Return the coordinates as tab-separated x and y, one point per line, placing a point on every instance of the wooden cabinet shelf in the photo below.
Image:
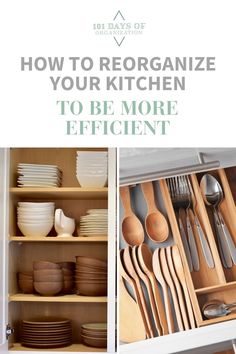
59	193
64	298
72	348
82	239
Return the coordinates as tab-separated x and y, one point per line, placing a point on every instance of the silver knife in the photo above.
228	238
192	245
205	247
223	246
185	243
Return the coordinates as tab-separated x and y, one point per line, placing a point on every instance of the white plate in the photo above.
32	165
36	204
93	228
93	222
37	180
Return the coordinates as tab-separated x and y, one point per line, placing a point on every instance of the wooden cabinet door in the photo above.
3	249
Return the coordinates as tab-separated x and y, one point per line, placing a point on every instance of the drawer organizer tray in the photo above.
207	283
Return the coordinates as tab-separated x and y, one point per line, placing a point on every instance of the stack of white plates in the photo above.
91	168
35	219
34	175
94	223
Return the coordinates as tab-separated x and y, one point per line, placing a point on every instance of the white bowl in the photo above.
34	221
40	229
91	164
88	171
36	212
92	153
92	181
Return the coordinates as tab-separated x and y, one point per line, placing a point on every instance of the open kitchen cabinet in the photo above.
20	251
206	284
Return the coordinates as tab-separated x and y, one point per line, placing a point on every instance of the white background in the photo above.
29	116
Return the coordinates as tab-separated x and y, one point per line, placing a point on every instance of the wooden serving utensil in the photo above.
157	269
144	255
178	265
147	283
155	223
131	282
132	328
167	276
139	291
178	288
132	229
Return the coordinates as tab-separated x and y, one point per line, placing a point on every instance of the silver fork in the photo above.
172	187
204	244
182	200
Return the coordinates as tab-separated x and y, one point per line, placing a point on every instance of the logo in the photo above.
119	28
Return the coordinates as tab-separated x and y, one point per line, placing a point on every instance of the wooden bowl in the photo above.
45	265
83	281
91	280
94	342
87	261
95	326
48	277
68	287
90	270
26	286
93	334
43	272
48	288
67	265
84	275
67	271
27	274
91	289
22	276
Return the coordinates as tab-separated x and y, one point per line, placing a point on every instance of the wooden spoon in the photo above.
131	282
147	283
180	274
167	276
132	228
178	288
145	261
160	278
155	223
131	327
139	291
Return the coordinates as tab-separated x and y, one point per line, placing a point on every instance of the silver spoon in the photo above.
217	310
213	196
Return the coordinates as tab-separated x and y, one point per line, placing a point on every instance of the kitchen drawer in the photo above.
207	283
146	164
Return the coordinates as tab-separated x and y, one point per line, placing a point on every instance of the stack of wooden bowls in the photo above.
26	282
94	334
46	333
68	271
90	276
48	278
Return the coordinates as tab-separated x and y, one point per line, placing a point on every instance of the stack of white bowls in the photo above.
91	168
35	219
